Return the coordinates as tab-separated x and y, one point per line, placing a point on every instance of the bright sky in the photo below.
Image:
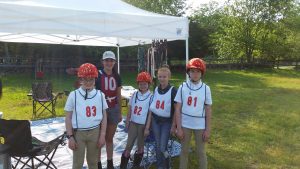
194	4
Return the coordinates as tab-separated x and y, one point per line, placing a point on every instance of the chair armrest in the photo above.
56	95
29	95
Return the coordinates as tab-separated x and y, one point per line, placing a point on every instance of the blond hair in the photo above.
164	68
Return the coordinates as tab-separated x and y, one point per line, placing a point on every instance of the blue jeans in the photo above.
161	131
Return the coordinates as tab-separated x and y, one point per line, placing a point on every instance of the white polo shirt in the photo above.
140	106
193	98
86	113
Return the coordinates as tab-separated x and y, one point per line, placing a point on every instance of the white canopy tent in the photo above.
86	22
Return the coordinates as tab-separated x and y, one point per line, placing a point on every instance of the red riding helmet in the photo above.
87	70
144	77
196	63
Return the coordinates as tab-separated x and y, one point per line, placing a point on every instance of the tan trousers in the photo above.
200	148
86	140
135	131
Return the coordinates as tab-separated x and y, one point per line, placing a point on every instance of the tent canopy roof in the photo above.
86	22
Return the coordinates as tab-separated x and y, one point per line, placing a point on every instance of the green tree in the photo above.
274	37
239	30
170	7
205	21
257	29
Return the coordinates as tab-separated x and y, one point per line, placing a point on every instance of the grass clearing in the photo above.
255	123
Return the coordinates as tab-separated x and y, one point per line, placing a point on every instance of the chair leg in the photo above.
44	106
53	108
50	163
19	161
32	163
34	109
43	160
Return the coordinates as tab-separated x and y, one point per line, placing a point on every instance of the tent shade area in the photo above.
111	23
89	22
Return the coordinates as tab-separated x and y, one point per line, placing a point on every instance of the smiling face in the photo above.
143	86
163	77
108	64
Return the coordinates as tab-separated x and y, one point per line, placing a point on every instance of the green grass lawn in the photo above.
256	115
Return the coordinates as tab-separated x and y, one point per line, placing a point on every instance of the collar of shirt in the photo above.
104	73
165	90
142	96
193	85
90	93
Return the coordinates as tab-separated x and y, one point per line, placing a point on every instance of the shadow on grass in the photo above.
254	125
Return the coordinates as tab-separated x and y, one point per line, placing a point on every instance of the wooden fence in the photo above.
58	65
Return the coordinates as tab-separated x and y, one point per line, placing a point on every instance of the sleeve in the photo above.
208	99
178	95
173	94
98	82
131	98
119	81
105	106
70	104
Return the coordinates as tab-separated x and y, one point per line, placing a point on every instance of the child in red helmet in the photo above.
137	121
193	113
86	119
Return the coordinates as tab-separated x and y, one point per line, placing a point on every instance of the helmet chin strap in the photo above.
86	94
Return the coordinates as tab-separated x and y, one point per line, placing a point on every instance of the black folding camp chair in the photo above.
43	99
27	151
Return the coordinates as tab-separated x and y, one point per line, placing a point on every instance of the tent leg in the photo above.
118	60
187	54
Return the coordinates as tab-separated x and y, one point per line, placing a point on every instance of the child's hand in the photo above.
180	133
146	132
120	118
173	130
72	143
205	135
101	142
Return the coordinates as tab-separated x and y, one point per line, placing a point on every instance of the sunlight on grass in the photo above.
274	152
255	122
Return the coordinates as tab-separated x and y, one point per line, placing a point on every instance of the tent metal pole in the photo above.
186	54
118	59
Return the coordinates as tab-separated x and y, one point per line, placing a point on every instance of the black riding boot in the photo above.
137	159
124	162
110	164
99	165
168	166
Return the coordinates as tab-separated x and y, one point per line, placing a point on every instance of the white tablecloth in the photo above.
127	91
